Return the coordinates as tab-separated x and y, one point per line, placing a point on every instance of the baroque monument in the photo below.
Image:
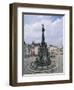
42	61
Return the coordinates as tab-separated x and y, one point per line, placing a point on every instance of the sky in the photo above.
53	25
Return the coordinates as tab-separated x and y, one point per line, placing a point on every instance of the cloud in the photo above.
53	30
40	16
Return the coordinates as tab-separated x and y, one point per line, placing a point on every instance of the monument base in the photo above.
45	69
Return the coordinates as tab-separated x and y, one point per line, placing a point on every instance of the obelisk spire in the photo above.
43	37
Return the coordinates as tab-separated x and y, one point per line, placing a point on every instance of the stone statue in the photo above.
43	58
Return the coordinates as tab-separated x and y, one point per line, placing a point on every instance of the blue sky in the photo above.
53	25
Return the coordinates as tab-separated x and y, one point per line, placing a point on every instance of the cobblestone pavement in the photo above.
58	60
